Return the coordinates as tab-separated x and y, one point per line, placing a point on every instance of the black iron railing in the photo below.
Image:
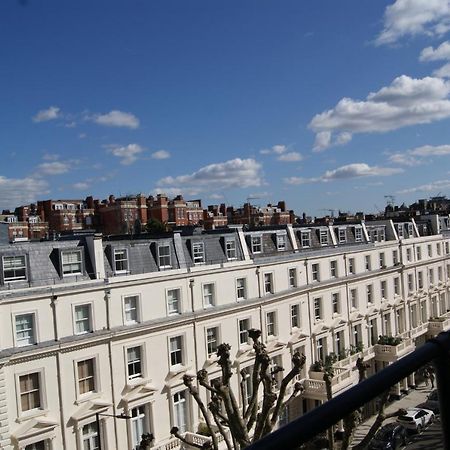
318	420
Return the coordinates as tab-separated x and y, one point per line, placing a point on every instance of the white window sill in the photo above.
83	398
175	370
31	414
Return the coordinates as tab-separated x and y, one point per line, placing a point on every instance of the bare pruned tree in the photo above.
240	425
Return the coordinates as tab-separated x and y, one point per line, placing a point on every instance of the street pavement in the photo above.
430	438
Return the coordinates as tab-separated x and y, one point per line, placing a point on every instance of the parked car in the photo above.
432	402
390	436
416	419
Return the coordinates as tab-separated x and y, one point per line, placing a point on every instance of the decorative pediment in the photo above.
355	316
338	322
89	408
297	337
34	429
372	311
320	328
139	390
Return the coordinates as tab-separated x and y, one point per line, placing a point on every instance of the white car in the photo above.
416	419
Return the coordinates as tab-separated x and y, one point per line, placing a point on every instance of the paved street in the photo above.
430	437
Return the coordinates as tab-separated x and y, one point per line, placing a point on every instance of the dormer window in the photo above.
230	247
305	237
164	256
323	237
14	268
400	230
71	262
198	252
281	242
120	260
256	244
358	234
342	235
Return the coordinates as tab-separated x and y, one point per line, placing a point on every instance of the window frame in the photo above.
229	250
217	340
137	309
181	350
304	239
271	325
65	251
333	268
323	237
292	277
268	282
336	302
95	377
281	242
241	332
351	266
142	360
198	252
24	267
317	309
41	390
295	316
342	235
358	234
211	295
34	328
243	288
90	318
171	312
255	245
315	274
161	257
115	251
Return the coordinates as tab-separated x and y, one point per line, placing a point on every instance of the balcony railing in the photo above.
315	386
391	353
438	325
306	427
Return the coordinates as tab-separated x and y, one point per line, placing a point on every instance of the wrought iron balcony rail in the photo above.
306	427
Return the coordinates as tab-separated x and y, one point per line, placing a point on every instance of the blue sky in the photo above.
322	103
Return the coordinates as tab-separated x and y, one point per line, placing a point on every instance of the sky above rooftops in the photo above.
325	104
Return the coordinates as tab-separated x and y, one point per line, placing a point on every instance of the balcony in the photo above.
315	386
350	361
438	324
390	352
419	330
171	444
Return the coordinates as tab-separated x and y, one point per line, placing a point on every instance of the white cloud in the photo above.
290	157
81	185
406	101
297	180
419	155
50	156
434	186
161	154
357	170
21	191
404	159
128	154
441	53
53	168
116	118
235	173
430	150
276	149
45	115
282	153
354	170
414	17
443	72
